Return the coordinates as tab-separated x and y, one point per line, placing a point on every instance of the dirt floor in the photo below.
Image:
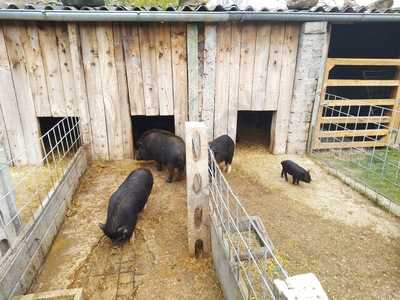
324	227
156	266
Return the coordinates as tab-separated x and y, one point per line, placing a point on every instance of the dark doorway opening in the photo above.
141	124
254	127
59	132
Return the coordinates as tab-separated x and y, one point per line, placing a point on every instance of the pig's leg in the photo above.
159	166
282	173
285	173
171	171
294	179
179	174
227	167
132	239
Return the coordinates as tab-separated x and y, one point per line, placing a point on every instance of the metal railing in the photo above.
25	190
361	141
249	250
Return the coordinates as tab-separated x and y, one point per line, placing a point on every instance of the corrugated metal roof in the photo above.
199	8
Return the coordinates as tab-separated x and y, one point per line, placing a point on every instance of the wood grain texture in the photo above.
193	71
125	117
263	41
247	56
149	68
210	54
224	37
179	77
92	67
130	38
35	67
48	45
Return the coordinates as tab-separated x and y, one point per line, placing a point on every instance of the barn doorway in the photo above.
254	128
140	124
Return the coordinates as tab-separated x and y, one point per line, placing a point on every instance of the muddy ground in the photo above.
324	227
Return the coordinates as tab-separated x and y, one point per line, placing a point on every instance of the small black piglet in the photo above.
223	149
298	173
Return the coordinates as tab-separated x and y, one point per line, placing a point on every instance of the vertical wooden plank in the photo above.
64	55
280	122
234	69
130	37
125	117
149	68
80	85
193	71
179	77
197	188
200	59
247	55
210	54
222	79
258	98
4	142
48	45
27	114
9	108
164	68
109	84
37	77
274	66
90	58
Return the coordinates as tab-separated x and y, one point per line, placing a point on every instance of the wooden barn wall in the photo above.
248	67
105	73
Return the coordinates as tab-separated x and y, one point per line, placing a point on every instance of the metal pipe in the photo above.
185	16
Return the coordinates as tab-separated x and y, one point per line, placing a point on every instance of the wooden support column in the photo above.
193	71
197	188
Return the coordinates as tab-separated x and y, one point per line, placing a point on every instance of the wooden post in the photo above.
193	71
197	188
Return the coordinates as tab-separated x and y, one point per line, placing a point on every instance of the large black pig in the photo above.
223	148
125	205
298	173
165	148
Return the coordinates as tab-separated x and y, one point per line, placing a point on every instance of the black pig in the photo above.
297	172
125	205
165	148
223	148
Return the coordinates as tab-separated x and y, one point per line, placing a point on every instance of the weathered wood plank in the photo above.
224	37
258	98
210	54
112	107
48	45
359	120
27	114
234	70
35	67
338	145
282	116
92	67
342	133
130	37
359	102
149	68
80	85
193	71
64	55
247	54
9	108
363	62
361	82
274	66
164	68
179	77
197	189
125	118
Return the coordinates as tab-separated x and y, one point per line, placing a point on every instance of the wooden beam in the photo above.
361	82
363	62
342	133
197	188
359	102
193	71
360	144
354	119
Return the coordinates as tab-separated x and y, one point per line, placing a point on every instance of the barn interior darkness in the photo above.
140	124
54	138
254	127
371	40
